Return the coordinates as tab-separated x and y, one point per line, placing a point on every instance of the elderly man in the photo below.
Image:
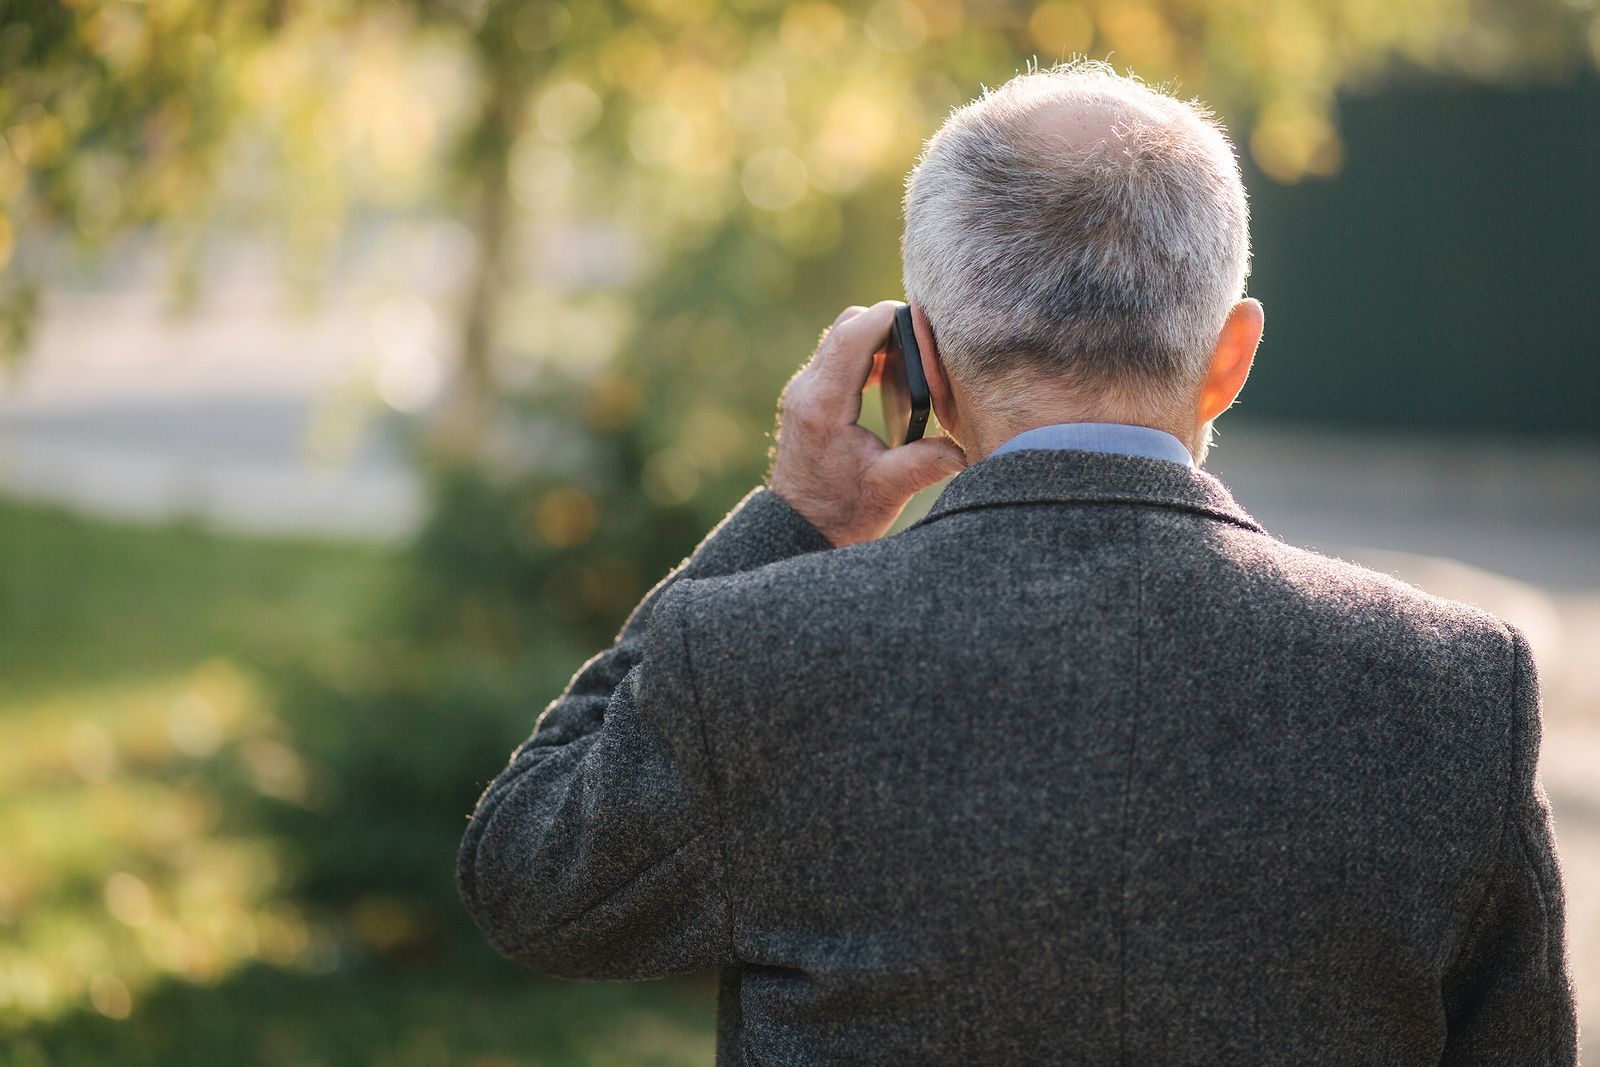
1084	767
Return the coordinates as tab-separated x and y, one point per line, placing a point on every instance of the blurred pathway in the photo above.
242	416
1530	511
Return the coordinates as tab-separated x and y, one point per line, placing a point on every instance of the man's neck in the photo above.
1028	404
988	436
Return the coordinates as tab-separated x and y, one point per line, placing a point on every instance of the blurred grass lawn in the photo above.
147	916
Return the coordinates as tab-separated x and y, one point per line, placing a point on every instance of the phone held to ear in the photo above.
904	388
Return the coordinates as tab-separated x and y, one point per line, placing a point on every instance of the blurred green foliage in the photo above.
402	1018
208	858
139	748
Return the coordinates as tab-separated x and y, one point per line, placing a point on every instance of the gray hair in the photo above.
1109	266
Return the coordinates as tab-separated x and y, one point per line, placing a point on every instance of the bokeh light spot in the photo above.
539	26
276	770
612	402
631	58
91	752
409	378
671	477
1139	35
110	996
566	517
567	110
194	725
1291	141
659	134
812	27
129	899
896	26
1061	28
774	178
754	96
541	173
408	375
385	923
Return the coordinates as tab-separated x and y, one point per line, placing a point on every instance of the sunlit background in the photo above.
366	360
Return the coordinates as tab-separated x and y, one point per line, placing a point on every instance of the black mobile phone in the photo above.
904	387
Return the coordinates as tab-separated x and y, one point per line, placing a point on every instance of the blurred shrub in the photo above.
523	571
140	745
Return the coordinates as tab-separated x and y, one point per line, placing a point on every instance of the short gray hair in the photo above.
1110	265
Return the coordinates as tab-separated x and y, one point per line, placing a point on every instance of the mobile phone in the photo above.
904	388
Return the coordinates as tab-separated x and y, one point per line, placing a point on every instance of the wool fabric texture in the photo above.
1083	767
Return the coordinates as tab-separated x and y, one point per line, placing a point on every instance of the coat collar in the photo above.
1067	476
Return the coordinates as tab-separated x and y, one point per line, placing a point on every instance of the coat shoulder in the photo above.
1332	588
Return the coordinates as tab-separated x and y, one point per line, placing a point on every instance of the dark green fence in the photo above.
1449	278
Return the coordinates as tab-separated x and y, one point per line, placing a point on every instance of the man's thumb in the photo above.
921	463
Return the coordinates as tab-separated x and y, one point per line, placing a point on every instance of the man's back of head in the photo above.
1077	238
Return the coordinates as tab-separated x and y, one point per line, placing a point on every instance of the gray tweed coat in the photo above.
1081	768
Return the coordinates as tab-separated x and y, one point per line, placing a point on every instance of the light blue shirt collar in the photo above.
1103	437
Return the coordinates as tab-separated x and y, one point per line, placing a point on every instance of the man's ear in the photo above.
939	391
1230	362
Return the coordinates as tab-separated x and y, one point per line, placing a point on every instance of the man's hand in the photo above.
839	476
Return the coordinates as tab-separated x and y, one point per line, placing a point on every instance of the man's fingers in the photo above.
844	358
910	468
827	332
843	363
827	390
849	313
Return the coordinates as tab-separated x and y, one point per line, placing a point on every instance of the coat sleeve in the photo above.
1508	996
597	851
